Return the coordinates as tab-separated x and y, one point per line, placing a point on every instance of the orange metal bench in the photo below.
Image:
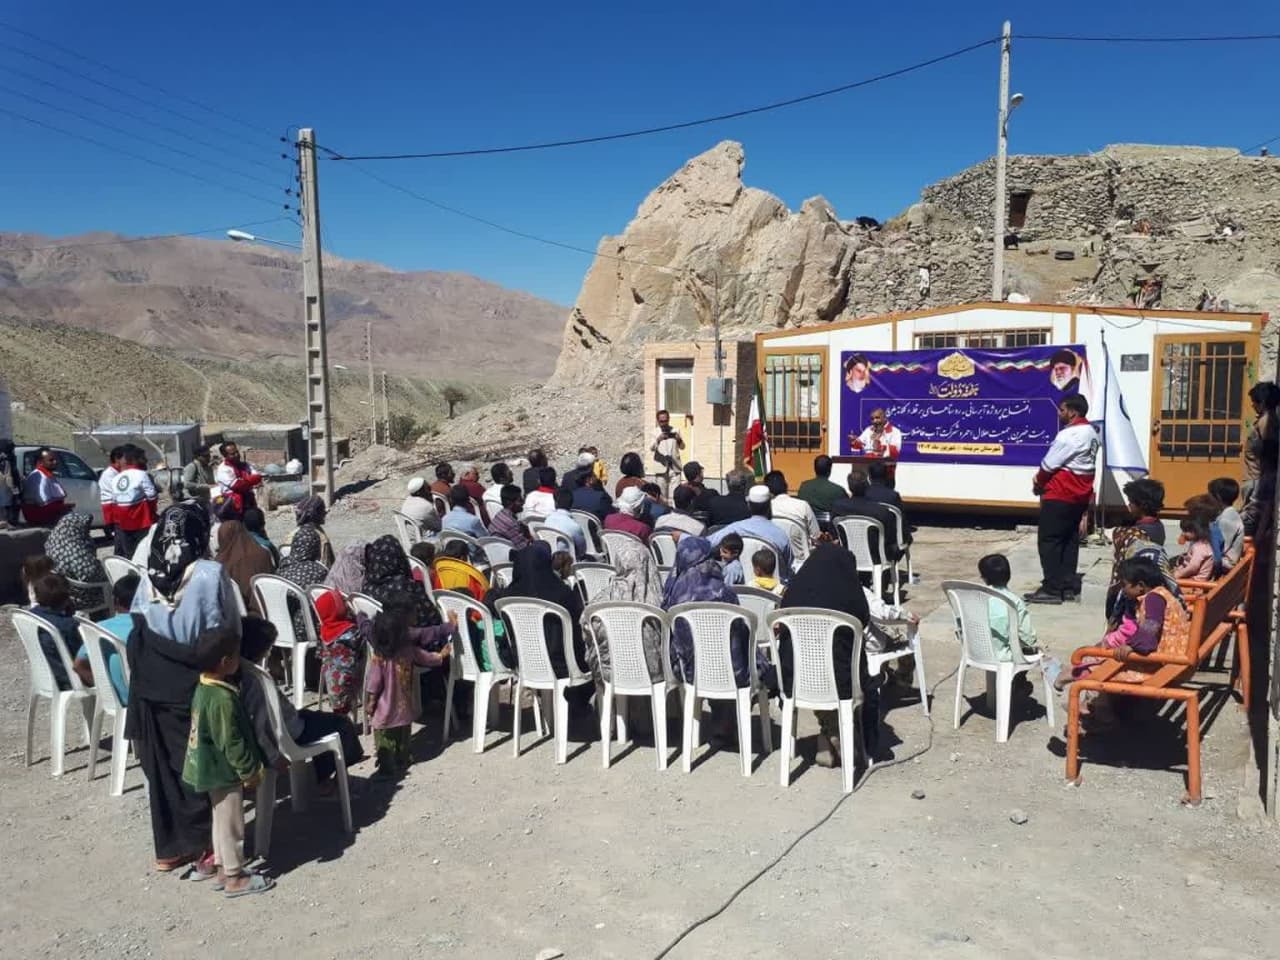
1216	615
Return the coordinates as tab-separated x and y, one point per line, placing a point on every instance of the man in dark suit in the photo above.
880	491
730	506
702	497
858	504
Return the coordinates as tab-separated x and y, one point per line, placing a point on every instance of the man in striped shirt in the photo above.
504	523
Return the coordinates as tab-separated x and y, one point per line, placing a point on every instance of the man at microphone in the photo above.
881	439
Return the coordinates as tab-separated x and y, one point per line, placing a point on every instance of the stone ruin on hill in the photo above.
1177	227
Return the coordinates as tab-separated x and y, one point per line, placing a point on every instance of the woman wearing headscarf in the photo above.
347	572
698	578
255	521
310	512
162	678
636	581
71	549
303	568
632	470
533	576
242	558
387	574
829	580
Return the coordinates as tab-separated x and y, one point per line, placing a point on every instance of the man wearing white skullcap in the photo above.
417	507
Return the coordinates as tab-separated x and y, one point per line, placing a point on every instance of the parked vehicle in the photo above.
76	477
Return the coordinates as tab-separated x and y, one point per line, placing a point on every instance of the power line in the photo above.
1072	38
131	115
160	236
138	156
141	139
1264	143
138	80
682	125
124	93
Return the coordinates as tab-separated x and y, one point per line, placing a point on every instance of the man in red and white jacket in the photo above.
234	482
133	504
1065	487
107	487
44	501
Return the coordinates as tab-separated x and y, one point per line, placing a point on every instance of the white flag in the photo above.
1123	451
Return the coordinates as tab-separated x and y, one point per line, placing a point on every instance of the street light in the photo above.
239	236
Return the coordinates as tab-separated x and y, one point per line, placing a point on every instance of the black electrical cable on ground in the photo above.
743	887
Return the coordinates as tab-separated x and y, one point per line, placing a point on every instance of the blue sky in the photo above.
393	76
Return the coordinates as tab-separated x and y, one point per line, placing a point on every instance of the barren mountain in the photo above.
215	299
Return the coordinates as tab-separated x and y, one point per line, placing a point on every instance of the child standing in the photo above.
223	759
1196	562
398	647
731	558
1226	491
995	573
764	565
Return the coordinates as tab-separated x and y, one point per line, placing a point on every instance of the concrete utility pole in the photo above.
386	412
1002	147
320	469
373	405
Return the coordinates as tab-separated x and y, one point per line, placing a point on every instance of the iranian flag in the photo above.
755	449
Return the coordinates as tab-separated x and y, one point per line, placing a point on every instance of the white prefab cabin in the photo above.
1182	376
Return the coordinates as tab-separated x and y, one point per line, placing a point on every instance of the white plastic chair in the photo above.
663	547
425	569
44	686
713	679
103	602
239	599
749	547
527	633
554	538
798	535
117	568
761	603
473	545
592	527
496	550
876	661
441	504
902	540
971	606
855	533
107	703
407	530
813	681
593	579
273	593
500	574
464	664
608	537
297	754
623	625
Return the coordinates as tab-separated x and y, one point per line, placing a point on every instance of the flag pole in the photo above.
1100	510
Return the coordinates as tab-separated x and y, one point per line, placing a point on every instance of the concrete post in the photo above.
1002	145
320	467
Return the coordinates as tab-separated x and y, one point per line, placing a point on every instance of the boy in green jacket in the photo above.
222	758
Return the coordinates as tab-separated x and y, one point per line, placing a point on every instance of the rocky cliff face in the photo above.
1203	222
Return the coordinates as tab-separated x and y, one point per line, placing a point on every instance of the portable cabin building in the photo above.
1173	385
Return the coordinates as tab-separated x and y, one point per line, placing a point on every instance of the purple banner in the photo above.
958	405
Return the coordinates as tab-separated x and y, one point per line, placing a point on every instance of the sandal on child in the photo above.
257	884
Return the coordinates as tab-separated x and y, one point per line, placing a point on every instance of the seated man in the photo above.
573	477
561	520
542	500
460	517
805	532
681	521
589	496
444	480
502	475
857	504
418	507
627	518
693	479
818	491
506	523
730	506
879	490
470	480
758	525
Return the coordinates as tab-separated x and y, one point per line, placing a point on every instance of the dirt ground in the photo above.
492	856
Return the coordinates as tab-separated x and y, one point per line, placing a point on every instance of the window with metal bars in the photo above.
984	339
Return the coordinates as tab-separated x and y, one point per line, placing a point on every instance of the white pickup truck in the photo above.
78	479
